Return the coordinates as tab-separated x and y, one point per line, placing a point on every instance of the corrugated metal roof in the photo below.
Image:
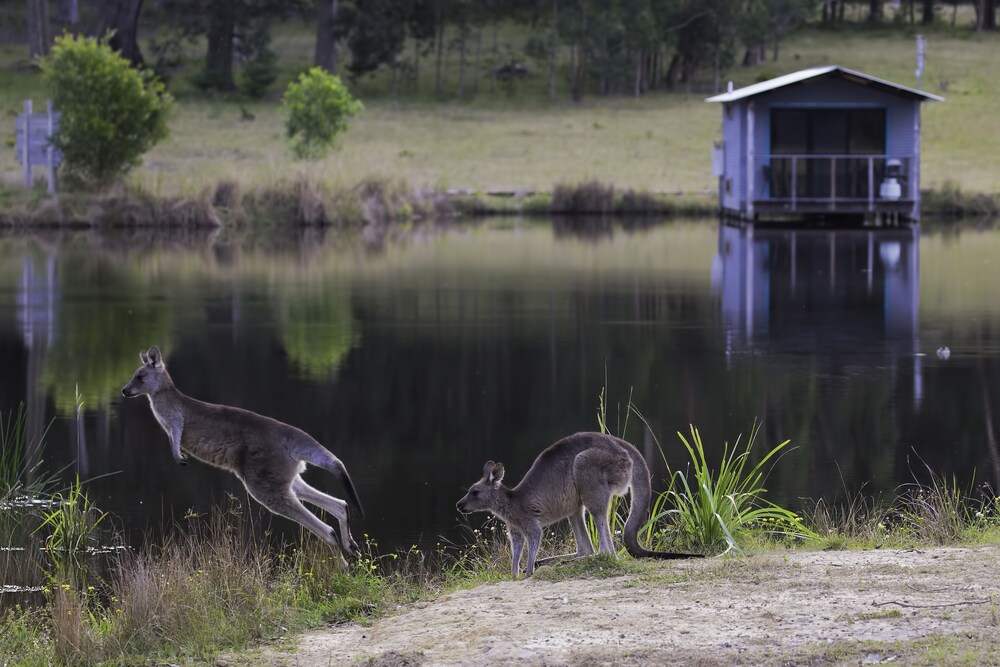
815	72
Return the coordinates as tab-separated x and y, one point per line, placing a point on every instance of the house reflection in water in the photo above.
846	292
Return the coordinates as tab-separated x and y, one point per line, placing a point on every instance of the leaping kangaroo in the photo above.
580	472
268	456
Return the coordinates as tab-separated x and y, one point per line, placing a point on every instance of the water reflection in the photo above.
418	358
860	285
794	290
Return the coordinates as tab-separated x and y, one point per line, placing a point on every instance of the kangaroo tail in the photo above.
641	494
352	493
322	457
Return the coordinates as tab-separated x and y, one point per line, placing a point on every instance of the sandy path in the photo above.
768	609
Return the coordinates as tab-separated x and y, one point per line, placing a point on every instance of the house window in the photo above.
834	137
729	186
828	131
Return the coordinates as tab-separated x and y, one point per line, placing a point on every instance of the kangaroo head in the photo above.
486	493
150	377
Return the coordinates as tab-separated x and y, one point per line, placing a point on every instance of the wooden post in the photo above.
50	151
751	166
913	168
871	183
26	146
795	184
833	183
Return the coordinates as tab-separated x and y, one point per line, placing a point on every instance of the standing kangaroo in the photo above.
582	471
267	455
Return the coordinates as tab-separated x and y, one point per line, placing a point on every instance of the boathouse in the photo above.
825	142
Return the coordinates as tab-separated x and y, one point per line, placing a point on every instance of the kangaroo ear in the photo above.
496	475
154	357
143	357
487	469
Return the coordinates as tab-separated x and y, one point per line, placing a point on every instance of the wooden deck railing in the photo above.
831	179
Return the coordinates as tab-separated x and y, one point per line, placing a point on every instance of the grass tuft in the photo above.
715	510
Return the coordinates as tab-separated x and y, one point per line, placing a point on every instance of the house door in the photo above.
831	147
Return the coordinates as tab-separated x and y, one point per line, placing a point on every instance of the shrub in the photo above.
317	105
111	112
713	510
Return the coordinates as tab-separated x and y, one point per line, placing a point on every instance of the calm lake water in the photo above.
416	358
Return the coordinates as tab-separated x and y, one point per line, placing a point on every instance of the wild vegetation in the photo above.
216	583
437	122
110	113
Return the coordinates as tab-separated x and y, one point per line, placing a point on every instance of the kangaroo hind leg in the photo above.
337	508
599	475
584	547
282	501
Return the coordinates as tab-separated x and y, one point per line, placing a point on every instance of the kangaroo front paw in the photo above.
182	459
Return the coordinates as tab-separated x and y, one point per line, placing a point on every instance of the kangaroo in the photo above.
582	471
268	456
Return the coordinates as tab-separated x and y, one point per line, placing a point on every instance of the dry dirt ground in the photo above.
915	606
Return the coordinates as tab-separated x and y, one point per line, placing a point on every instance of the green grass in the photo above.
713	509
978	648
213	586
659	143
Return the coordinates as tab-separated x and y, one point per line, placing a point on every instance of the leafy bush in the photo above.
111	112
318	106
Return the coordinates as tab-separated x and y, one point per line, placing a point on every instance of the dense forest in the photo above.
606	47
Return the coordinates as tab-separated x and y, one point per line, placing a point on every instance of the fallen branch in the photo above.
931	606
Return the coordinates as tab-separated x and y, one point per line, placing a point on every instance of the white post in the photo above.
871	183
915	167
50	151
751	168
26	146
795	182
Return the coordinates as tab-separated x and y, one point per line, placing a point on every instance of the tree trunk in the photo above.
554	49
68	13
874	11
121	19
325	55
989	15
438	76
479	55
672	69
928	14
495	60
416	64
39	37
219	59
462	38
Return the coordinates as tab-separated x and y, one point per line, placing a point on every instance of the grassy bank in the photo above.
216	584
657	144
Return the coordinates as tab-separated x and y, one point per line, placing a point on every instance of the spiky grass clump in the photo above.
859	520
715	511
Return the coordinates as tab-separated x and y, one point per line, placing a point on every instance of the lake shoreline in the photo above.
308	202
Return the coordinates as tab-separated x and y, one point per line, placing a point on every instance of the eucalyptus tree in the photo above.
39	33
118	20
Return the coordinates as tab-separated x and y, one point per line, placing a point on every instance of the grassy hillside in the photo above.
660	142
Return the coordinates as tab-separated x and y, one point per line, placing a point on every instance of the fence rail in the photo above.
836	179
